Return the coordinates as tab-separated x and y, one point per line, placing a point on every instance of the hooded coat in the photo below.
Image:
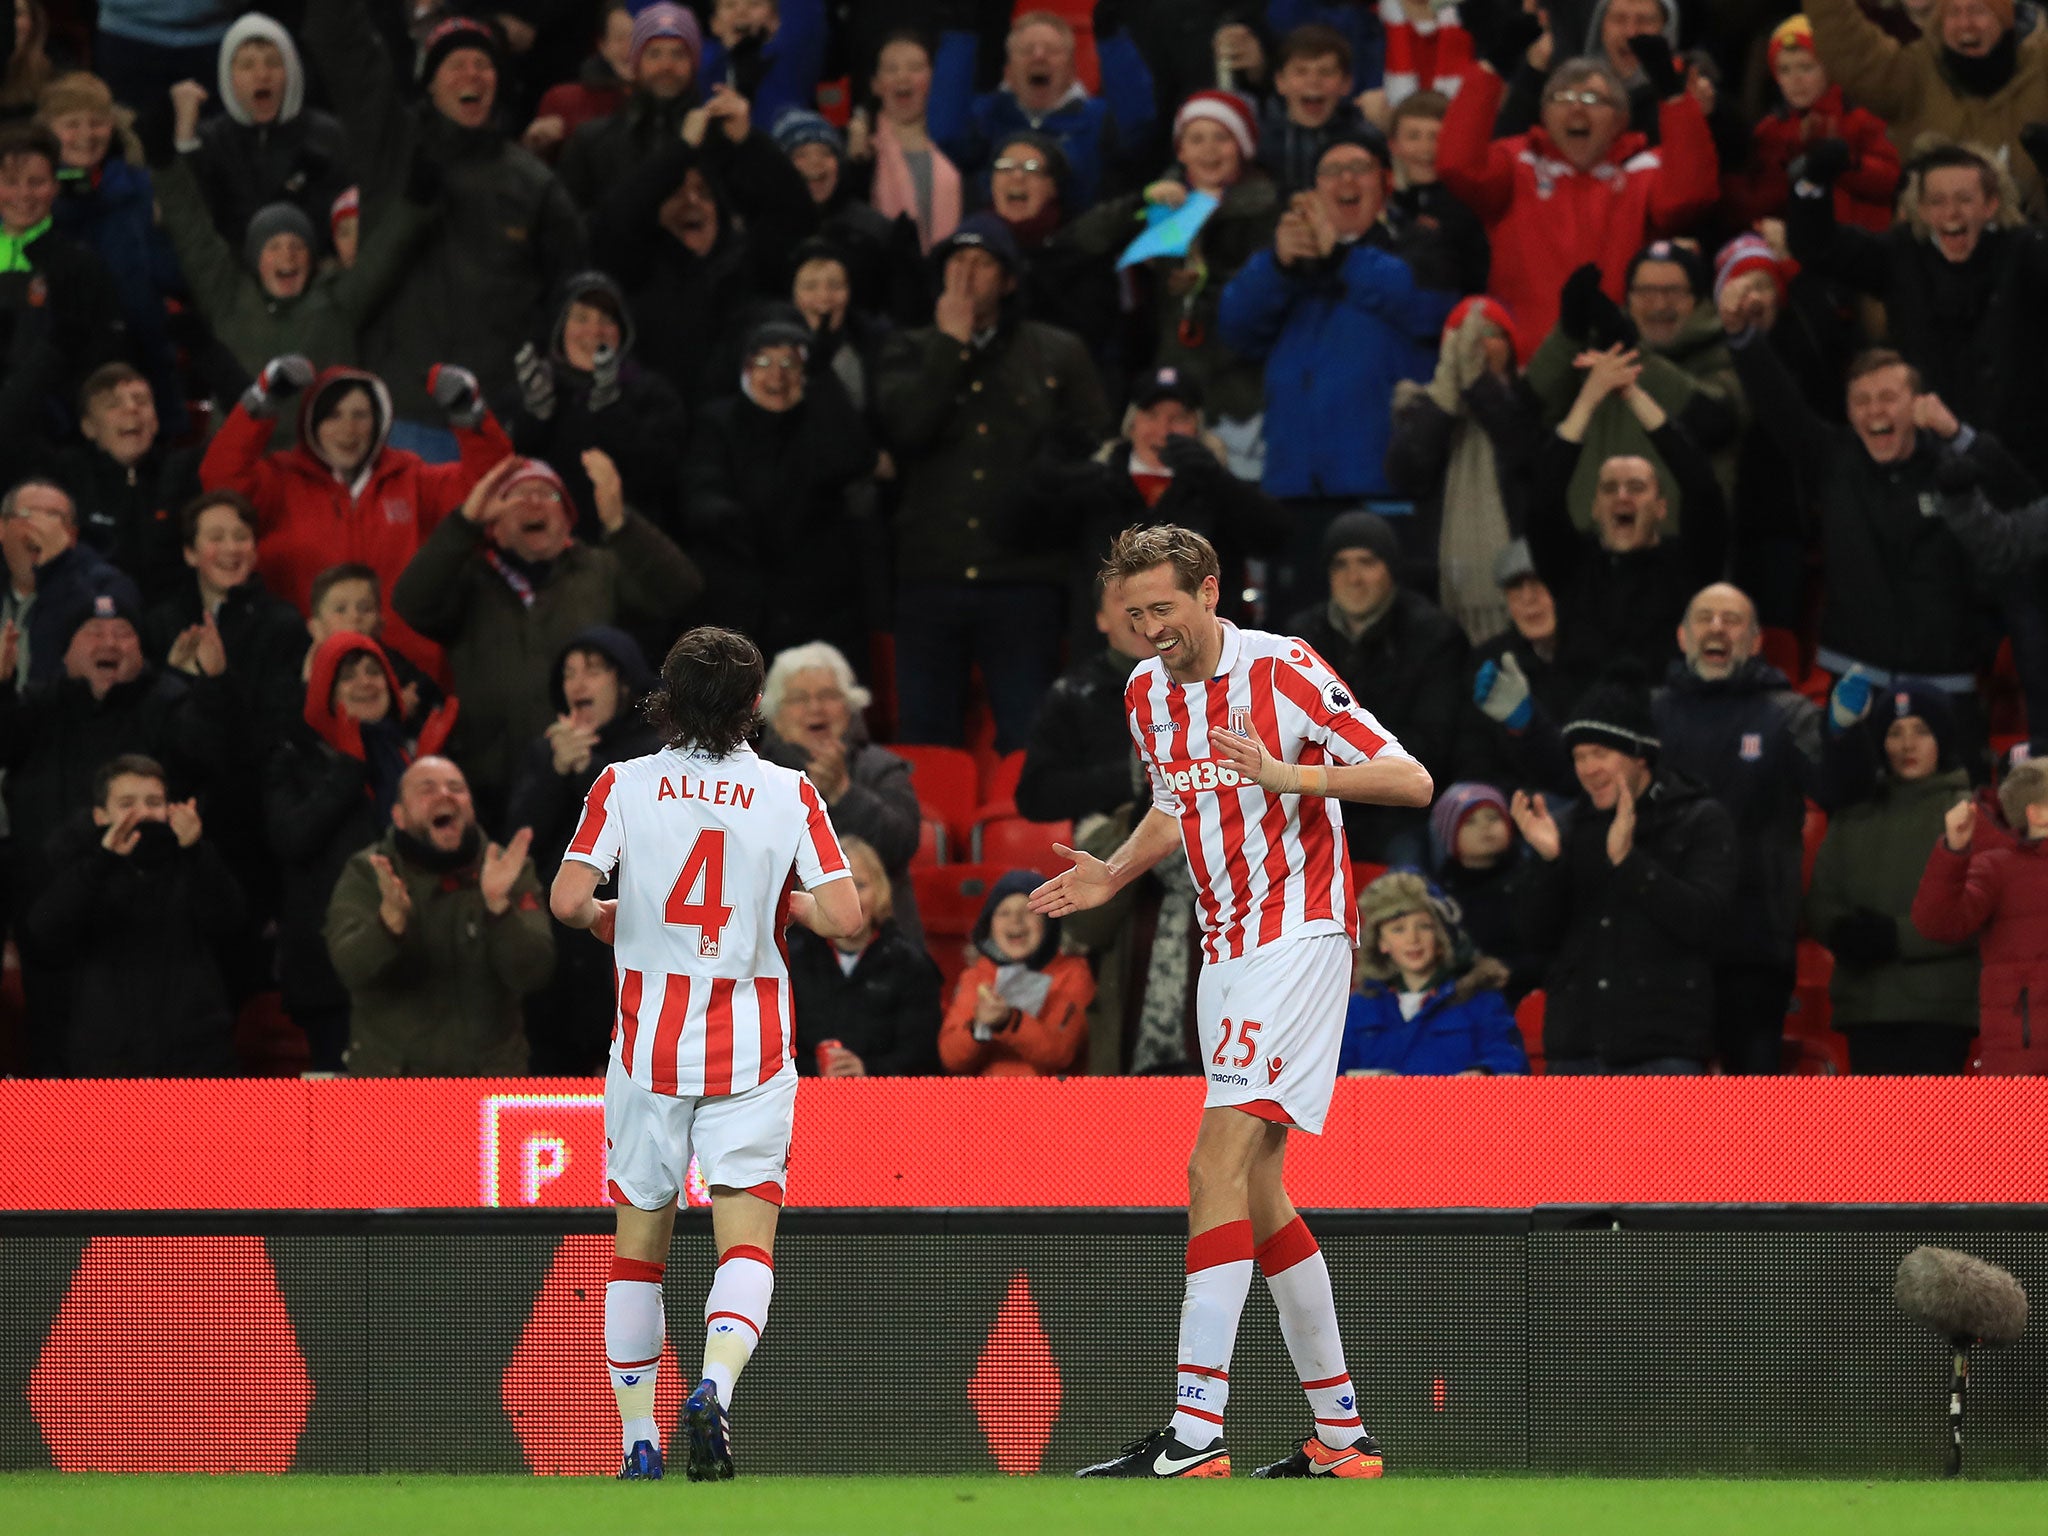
1999	895
1043	1039
309	518
300	156
326	794
1464	1024
1546	219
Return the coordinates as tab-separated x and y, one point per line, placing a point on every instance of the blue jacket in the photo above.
793	62
1464	1022
1336	339
1359	25
116	221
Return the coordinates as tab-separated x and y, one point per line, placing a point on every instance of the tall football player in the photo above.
1250	741
711	845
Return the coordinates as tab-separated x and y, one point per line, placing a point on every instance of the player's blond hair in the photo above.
1192	557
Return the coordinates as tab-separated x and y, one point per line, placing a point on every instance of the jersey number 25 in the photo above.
697	899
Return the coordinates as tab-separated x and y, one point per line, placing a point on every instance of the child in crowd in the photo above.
867	1004
348	599
1811	109
1021	1009
1474	853
1999	893
1312	83
1425	1003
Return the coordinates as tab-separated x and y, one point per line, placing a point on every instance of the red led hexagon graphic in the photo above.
556	1390
1015	1388
172	1354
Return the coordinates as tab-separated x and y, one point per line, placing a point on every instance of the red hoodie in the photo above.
344	733
1863	194
1547	219
307	519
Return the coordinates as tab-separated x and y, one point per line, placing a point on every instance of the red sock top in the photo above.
747	1251
1220	1245
1286	1248
638	1269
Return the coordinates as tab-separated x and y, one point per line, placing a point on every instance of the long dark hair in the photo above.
710	691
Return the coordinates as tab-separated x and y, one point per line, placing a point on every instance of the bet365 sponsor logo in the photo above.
1193	778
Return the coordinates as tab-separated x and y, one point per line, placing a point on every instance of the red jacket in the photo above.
1863	195
1044	1044
1546	219
341	731
1998	894
308	520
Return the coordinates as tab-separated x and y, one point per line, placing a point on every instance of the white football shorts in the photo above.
1271	1023
741	1140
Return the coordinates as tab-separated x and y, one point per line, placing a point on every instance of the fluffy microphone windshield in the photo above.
1961	1298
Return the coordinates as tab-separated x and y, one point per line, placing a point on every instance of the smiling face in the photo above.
690	213
1483	836
615	47
346	607
1413	147
814	711
1014	929
1626	19
257	75
1313	86
121	422
361	690
584	329
1152	426
903	81
1040	66
222	551
1881	413
1582	119
1602	771
465	87
1210	156
1970	27
1628	504
1532	609
535	524
1801	79
433	804
775	378
1910	749
83	137
1021	183
1719	632
590	684
348	431
1360	583
105	653
665	70
1180	627
1660	301
284	266
1353	187
821	293
819	168
28	191
1410	942
1957	208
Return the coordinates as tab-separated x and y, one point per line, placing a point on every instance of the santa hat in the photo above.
1745	254
1232	111
530	470
349	205
1792	32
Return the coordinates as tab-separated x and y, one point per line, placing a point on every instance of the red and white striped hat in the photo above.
1232	111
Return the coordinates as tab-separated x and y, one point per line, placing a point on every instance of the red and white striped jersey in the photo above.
1265	866
707	850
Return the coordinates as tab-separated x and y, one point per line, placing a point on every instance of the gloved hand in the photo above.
1851	698
281	378
604	379
1864	938
457	392
1957	473
1653	58
1823	162
1190	460
1512	36
1577	299
1501	690
536	377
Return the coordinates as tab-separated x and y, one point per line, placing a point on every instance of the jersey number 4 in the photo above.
1245	1028
697	899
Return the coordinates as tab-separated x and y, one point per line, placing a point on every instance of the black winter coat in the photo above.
1631	976
136	933
887	1012
603	152
130	515
641	431
244	166
1754	745
264	638
1409	671
319	812
1078	761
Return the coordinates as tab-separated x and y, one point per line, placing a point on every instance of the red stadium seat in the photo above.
999	787
1815	828
1813	1049
1363	873
931	845
1529	1019
946	785
1781	649
1011	842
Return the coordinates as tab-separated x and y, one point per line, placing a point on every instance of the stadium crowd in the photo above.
1643	407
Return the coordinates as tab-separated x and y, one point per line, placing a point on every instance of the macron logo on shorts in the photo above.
1273	1070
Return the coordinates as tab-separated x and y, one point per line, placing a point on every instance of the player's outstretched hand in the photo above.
1088	884
606	924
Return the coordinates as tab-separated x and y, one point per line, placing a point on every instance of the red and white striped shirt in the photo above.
708	850
1265	866
1430	55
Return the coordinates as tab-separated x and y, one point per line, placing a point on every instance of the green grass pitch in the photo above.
54	1504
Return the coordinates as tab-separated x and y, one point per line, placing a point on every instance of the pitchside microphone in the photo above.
1966	1301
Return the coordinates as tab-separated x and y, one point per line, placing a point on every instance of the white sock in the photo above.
734	1314
1300	1283
633	1334
1219	1278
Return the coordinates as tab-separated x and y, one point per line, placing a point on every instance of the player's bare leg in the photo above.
743	1226
1300	1284
634	1329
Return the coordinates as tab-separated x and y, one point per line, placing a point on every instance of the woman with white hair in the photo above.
812	703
